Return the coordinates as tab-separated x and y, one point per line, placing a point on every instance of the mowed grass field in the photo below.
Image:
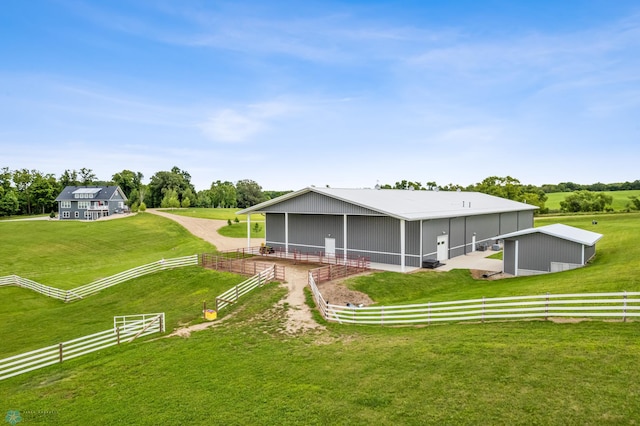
247	371
620	199
235	230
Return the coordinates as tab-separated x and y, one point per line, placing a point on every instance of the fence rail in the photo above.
232	295
96	286
298	257
622	305
244	266
125	329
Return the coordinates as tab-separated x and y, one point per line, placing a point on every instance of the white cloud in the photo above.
233	125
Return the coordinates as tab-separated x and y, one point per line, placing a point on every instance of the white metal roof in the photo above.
411	205
566	232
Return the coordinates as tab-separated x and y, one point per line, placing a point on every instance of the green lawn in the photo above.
239	230
620	199
246	371
67	254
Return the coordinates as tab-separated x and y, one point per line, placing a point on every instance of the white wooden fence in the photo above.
96	286
233	294
125	329
620	305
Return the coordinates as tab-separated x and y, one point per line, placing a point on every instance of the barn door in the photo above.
442	251
330	246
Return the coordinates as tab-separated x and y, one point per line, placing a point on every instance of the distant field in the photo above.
620	199
218	214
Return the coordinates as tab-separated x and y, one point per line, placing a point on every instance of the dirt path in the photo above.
207	229
299	317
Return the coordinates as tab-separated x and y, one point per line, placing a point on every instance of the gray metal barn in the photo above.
397	227
551	248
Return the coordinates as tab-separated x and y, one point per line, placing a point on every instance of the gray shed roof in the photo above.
103	193
559	230
410	205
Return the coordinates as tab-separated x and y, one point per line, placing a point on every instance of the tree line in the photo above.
27	192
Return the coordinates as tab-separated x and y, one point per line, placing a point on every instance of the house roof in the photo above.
559	230
410	205
100	193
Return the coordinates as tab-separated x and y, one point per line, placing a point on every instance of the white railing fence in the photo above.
232	295
621	305
96	286
125	330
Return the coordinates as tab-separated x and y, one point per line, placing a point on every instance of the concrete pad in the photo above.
474	260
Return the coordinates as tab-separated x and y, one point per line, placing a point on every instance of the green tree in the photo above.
175	180
128	181
635	203
9	204
586	201
249	193
87	177
23	179
69	178
223	194
170	200
44	190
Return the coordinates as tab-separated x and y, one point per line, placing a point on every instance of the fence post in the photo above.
483	309
162	323
382	315
204	309
428	313
60	351
237	293
624	310
546	308
118	334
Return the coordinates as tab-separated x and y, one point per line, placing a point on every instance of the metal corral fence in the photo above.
239	265
96	286
333	272
296	256
620	305
232	295
126	329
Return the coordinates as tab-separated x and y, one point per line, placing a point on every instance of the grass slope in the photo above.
245	372
67	254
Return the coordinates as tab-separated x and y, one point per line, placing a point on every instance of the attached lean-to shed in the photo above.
551	248
389	226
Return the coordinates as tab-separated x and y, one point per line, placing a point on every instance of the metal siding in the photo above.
486	227
274	229
525	220
373	233
589	252
312	229
456	237
509	257
508	222
431	229
312	202
412	238
537	251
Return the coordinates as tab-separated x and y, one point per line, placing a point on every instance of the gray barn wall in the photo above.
457	236
314	203
525	220
310	230
537	251
431	229
274	229
377	237
508	222
589	252
412	244
509	257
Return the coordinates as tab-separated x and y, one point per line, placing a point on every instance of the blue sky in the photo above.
346	94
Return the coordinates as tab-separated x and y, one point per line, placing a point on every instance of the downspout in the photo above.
286	232
402	244
344	237
516	260
249	230
421	242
